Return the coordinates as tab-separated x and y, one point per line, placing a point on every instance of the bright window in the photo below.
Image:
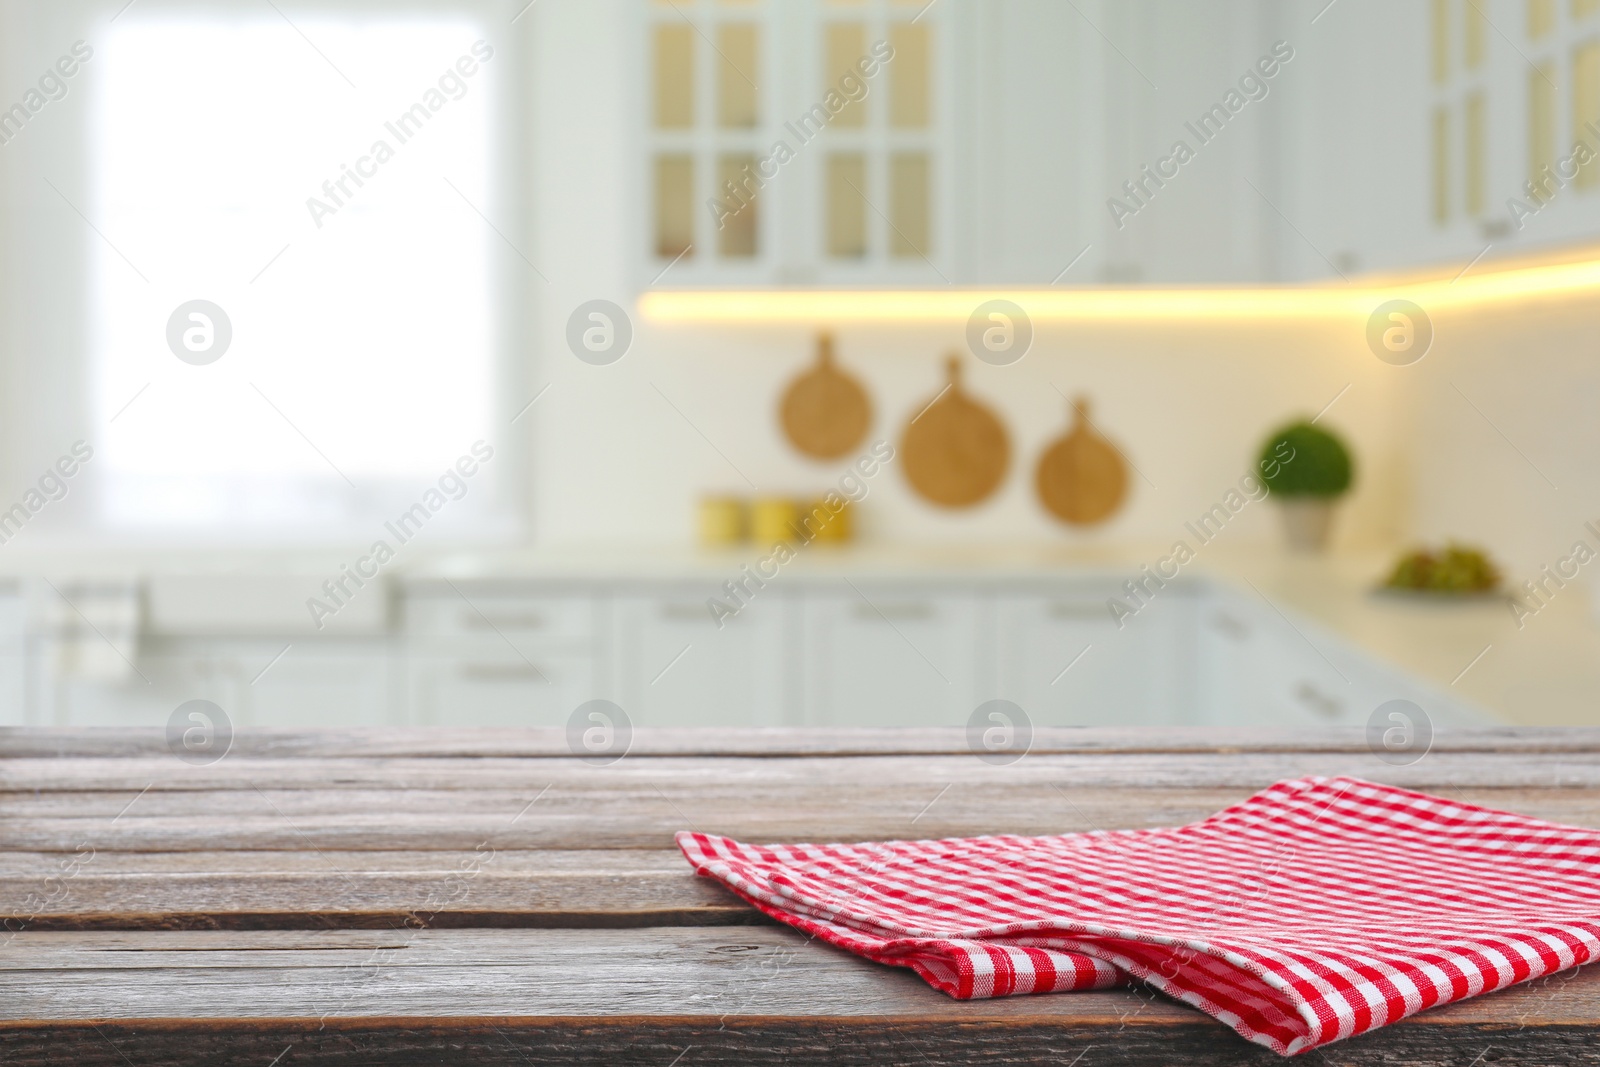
238	161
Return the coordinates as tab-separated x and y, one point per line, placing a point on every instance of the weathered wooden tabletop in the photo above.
487	898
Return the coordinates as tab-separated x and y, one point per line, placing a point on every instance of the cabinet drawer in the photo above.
1262	669
889	655
480	615
1066	662
681	668
499	688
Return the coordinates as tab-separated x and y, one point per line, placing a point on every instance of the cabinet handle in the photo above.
500	672
471	620
1319	702
882	612
1230	626
1079	609
686	612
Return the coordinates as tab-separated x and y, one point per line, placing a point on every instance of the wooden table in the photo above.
486	898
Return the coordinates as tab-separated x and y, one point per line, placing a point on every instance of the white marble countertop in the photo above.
1545	673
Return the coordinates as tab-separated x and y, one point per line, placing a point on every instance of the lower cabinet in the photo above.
299	684
1259	669
890	655
488	653
255	681
1066	662
494	685
681	665
813	652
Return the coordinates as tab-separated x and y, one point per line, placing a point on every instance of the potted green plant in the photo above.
1306	469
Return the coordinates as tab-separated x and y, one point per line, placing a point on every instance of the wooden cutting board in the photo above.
825	412
1082	478
955	449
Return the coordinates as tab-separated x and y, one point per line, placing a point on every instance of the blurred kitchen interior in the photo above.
530	295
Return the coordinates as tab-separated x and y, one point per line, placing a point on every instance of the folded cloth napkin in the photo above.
1317	909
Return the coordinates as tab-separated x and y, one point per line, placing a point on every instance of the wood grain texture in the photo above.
434	742
350	897
644	814
759	995
374	890
689	972
633	1041
515	776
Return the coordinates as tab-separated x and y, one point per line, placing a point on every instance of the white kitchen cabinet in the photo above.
885	652
1372	682
1066	662
312	683
1228	640
566	618
88	702
255	681
1259	668
679	668
494	685
890	654
501	654
156	680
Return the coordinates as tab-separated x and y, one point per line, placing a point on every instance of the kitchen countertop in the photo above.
1545	673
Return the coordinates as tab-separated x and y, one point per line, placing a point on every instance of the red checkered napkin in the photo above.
1317	909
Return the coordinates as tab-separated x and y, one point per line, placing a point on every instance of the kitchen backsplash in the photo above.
1188	405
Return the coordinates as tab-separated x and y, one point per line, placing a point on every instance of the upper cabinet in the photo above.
798	142
904	143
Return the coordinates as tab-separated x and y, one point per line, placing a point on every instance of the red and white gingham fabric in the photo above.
1317	909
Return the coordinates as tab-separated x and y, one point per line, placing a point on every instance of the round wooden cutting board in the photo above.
955	449
1082	478
825	412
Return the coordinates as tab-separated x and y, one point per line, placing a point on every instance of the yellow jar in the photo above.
831	527
774	519
723	521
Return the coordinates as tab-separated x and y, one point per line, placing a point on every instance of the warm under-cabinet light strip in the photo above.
1357	298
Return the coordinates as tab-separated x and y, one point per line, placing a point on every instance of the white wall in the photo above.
1188	406
1519	471
43	253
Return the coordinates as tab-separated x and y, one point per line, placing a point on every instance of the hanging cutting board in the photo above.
955	449
825	412
1082	478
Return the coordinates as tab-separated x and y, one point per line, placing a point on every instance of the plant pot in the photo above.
1307	521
